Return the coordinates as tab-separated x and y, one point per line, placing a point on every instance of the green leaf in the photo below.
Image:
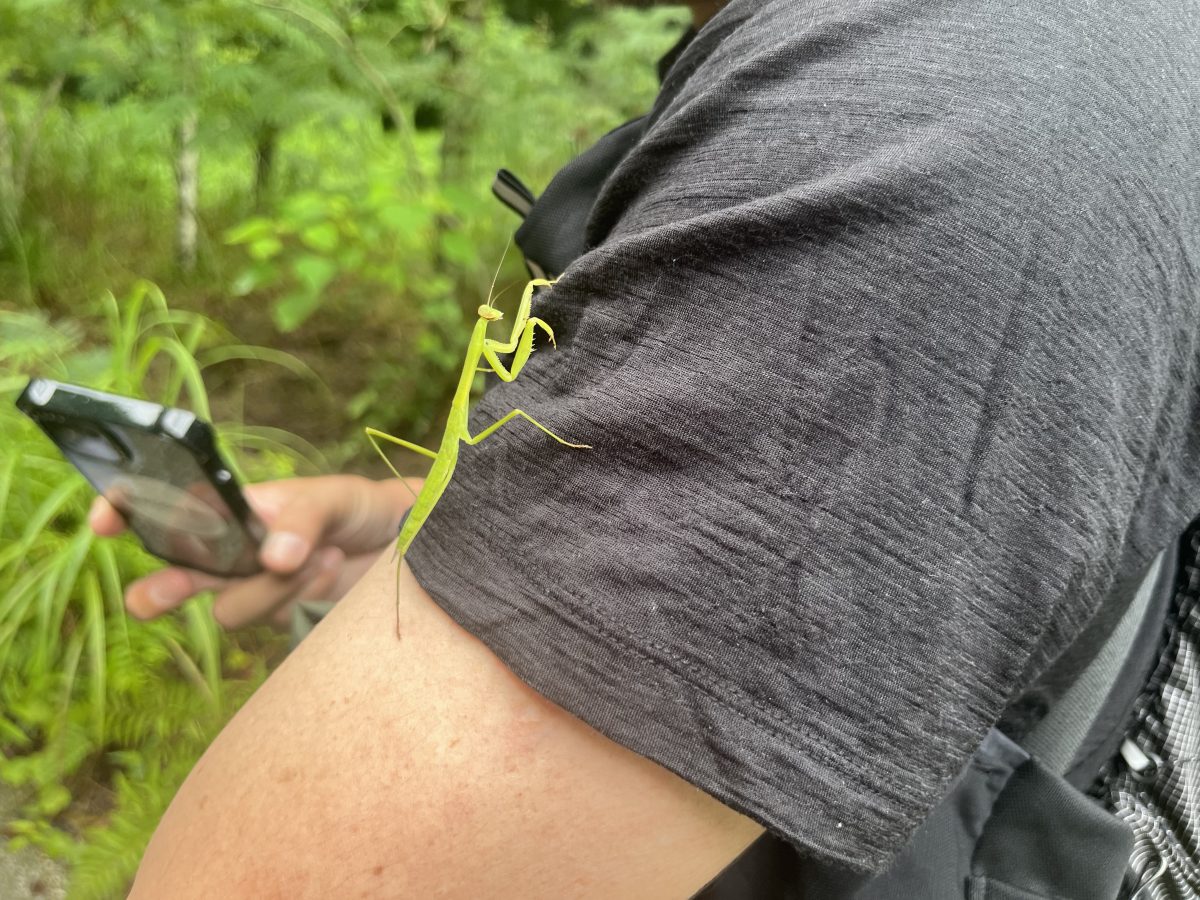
205	641
291	311
33	711
11	735
131	761
280	358
404	218
306	208
314	272
322	237
53	799
352	259
251	230
265	247
97	639
253	278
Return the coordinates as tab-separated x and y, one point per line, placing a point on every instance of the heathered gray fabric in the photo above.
887	348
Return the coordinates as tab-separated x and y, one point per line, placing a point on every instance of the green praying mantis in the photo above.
481	347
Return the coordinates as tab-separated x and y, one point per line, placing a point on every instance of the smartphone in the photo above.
159	467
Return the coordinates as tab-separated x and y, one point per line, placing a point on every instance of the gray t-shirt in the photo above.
885	340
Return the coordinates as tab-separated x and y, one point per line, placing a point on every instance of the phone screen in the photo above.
164	495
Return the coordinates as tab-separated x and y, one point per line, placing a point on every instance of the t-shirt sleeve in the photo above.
864	354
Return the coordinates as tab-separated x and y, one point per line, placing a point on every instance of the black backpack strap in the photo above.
936	864
511	191
1045	839
554	233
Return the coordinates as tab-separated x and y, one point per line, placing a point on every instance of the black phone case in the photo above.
159	467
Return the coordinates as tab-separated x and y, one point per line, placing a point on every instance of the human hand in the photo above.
323	533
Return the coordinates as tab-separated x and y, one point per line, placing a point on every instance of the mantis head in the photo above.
490	313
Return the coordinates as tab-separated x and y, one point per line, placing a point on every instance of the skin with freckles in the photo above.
368	767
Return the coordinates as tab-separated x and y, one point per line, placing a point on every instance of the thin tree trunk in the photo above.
340	36
187	177
10	229
264	163
15	164
28	151
14	175
8	182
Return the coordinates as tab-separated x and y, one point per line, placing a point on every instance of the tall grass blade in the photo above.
97	655
205	640
252	353
111	587
188	667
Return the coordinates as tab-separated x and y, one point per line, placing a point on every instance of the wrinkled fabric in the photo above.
885	343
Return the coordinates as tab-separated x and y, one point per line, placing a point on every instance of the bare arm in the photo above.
374	767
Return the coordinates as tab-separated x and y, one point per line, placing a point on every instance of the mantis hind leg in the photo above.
374	435
495	426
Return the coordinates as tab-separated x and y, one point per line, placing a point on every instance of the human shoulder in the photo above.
378	765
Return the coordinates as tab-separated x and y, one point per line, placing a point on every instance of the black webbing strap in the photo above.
511	191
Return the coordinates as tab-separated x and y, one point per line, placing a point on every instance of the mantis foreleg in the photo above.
524	347
520	339
520	320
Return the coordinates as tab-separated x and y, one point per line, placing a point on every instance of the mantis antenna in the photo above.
496	274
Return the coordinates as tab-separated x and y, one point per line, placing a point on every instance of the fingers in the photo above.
313	525
104	520
166	589
347	511
298	515
239	601
258	598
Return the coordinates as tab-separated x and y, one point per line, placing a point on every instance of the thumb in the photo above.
346	511
294	527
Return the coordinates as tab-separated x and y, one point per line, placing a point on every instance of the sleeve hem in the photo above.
765	767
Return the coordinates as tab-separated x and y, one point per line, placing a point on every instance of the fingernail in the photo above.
285	549
330	558
159	597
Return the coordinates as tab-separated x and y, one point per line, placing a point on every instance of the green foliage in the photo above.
414	227
94	703
346	153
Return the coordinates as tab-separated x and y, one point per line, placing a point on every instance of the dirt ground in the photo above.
27	874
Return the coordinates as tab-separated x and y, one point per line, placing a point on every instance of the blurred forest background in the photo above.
276	213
